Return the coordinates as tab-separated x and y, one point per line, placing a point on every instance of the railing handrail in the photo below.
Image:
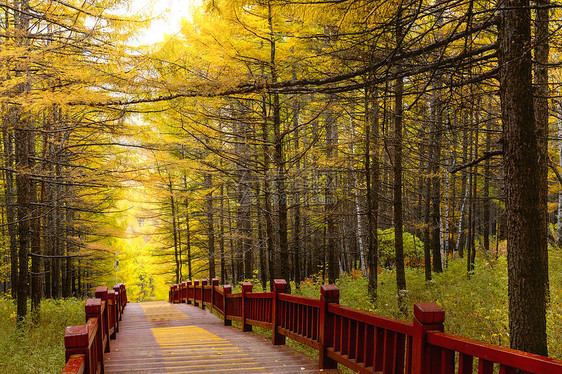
85	344
507	357
364	341
299	299
395	325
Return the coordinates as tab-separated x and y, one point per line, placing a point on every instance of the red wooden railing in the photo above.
85	344
361	341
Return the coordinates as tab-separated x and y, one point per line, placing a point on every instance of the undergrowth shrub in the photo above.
475	307
38	345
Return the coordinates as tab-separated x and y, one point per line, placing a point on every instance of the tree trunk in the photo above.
223	276
266	203
398	218
24	189
297	239
372	181
9	196
526	234
486	198
283	261
435	227
331	206
174	228
559	236
188	233
210	224
541	115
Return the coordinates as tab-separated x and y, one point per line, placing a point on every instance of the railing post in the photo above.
227	291
112	304
188	286
183	292
203	284
76	341
180	289
174	293
123	294
214	283
93	310
427	317
119	302
279	286
246	289
101	293
195	285
329	294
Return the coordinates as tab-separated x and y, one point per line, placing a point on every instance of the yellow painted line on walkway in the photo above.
162	312
197	347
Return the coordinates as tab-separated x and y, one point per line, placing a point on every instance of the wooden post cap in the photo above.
429	313
76	336
101	292
174	287
247	286
215	281
203	282
183	284
330	292
227	288
195	282
188	282
75	364
111	294
93	306
279	285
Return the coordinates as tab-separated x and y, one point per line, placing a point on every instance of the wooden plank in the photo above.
159	337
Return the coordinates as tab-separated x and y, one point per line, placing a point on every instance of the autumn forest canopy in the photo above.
280	139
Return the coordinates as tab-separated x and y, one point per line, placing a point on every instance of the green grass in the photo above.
37	347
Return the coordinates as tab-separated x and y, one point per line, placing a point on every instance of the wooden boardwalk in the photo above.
159	337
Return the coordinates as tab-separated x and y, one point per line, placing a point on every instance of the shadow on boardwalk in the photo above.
159	337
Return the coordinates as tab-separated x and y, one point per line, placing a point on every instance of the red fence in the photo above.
364	342
85	344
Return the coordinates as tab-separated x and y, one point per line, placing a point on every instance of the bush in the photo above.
475	307
38	345
413	248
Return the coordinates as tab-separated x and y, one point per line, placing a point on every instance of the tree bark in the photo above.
372	181
526	234
283	261
210	224
541	92
10	201
331	206
435	227
24	189
174	228
559	236
397	201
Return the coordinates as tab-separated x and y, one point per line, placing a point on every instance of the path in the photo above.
159	337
